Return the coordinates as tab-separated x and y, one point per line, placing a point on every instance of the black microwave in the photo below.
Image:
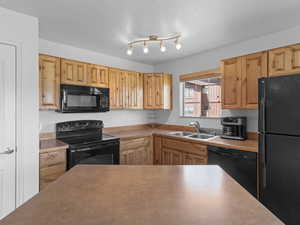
83	99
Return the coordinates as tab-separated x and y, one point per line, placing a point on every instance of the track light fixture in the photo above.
145	48
154	38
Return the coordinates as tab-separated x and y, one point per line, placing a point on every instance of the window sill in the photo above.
200	117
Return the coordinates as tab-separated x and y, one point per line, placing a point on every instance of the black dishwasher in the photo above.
240	165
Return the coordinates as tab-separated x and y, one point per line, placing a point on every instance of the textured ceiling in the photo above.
106	26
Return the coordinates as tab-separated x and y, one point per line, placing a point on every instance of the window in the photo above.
202	97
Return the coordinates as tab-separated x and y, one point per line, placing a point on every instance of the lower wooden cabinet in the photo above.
137	151
171	157
52	166
170	151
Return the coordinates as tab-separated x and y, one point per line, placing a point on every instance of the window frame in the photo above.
182	98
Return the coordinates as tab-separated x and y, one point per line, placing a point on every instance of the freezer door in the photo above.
282	108
279	155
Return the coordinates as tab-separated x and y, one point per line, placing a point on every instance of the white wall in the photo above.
22	31
210	60
112	118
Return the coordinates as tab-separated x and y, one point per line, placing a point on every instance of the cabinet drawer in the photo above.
52	158
192	159
134	143
185	146
50	174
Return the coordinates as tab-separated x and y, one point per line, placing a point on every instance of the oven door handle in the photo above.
102	145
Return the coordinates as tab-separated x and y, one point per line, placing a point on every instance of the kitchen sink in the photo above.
181	133
201	136
192	135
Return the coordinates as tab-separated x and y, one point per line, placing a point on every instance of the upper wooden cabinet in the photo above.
73	72
116	88
157	91
284	60
254	66
97	76
133	90
231	70
49	81
126	89
240	80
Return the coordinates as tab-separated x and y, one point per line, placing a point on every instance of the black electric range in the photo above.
87	144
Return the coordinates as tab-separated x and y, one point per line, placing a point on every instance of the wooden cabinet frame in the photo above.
158	91
49	82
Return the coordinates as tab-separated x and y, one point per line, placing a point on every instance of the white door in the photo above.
7	130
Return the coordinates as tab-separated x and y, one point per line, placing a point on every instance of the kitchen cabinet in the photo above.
126	89
231	70
116	88
157	91
285	60
97	76
172	151
49	82
133	90
137	151
254	66
193	159
73	72
52	166
240	80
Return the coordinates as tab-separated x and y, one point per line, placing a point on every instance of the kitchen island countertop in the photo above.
147	195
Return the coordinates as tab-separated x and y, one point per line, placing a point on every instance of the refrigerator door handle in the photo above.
262	105
263	161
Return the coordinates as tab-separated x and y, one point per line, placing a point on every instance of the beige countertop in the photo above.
143	195
247	145
145	130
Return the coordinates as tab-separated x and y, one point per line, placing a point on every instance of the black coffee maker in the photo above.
234	128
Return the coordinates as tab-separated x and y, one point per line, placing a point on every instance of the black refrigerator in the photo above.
279	146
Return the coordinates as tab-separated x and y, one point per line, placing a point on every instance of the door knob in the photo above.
8	151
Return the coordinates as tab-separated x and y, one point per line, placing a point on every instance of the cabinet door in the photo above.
136	151
149	91
254	66
231	83
134	90
73	72
157	146
49	79
279	60
295	59
158	91
171	157
97	76
116	88
192	159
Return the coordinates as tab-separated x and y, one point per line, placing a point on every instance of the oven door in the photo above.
100	154
78	99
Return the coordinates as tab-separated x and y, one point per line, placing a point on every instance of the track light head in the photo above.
178	44
162	47
129	50
145	48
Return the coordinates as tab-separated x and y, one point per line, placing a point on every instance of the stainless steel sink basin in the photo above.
181	133
192	135
201	136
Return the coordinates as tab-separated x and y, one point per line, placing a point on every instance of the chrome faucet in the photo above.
195	124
